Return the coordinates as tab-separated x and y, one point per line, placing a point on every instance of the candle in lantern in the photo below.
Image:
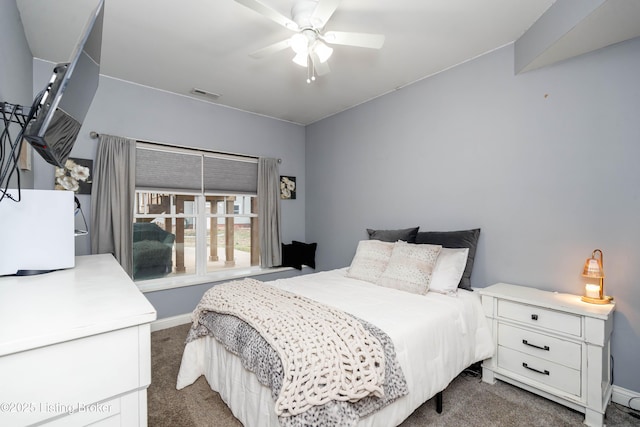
592	291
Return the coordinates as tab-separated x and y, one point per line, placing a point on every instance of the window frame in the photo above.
200	217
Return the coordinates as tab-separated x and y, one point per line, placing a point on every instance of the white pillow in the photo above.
370	260
448	270
410	267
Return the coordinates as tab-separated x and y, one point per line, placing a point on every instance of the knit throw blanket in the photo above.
326	354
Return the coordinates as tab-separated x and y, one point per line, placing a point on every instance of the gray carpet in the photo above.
467	400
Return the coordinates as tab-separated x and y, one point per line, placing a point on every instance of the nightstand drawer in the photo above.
540	370
540	317
540	345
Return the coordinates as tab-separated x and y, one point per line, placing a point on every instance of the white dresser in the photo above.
551	344
75	347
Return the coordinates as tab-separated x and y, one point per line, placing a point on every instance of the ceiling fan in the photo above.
308	19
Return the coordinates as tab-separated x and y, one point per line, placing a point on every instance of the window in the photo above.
195	213
232	231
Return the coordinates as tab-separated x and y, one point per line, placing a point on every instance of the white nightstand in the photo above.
551	344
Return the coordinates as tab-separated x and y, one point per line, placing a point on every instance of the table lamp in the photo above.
593	269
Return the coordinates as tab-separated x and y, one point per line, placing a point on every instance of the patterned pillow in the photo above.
410	267
448	270
370	260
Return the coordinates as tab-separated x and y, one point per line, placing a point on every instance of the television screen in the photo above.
66	99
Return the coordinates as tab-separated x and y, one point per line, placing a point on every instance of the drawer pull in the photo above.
545	372
525	342
534	317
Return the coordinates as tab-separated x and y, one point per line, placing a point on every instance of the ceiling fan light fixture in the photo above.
323	51
310	42
300	43
301	59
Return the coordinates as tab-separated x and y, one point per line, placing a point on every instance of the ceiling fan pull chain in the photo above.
311	70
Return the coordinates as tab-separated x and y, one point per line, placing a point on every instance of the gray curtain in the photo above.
269	212
112	199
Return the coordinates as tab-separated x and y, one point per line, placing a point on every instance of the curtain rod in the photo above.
96	135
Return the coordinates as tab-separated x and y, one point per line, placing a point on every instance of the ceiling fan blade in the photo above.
273	48
371	41
321	68
324	11
270	13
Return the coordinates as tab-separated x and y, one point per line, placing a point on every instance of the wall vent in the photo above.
204	93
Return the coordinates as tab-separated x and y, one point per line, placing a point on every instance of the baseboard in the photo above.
170	322
624	397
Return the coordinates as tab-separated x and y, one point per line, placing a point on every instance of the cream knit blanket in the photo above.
326	354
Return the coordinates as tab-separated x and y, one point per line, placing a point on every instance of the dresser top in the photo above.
548	299
95	296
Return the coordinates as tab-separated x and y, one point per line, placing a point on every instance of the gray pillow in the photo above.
406	234
455	239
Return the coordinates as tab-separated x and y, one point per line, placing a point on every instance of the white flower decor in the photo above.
287	187
72	175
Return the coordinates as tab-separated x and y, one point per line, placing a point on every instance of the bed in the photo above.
435	335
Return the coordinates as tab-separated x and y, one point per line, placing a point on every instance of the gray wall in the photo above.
545	163
125	109
15	69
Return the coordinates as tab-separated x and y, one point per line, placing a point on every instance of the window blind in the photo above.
230	175
193	170
168	170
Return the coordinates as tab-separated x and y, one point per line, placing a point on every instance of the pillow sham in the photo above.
448	270
370	260
455	239
410	267
306	252
405	234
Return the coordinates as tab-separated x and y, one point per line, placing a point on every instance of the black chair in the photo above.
152	251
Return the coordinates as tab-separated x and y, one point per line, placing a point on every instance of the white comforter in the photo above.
435	336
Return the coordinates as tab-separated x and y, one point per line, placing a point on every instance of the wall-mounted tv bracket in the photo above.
15	113
9	145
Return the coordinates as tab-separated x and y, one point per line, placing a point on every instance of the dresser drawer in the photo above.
540	345
540	370
541	317
67	376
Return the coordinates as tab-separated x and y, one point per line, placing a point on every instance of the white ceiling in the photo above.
180	45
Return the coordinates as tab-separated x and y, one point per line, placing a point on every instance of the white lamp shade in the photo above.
323	51
593	268
300	43
301	59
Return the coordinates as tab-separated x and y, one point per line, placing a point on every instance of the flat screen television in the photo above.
68	96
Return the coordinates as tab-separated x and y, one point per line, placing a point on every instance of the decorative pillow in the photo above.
306	252
455	239
290	257
410	267
370	260
448	270
406	235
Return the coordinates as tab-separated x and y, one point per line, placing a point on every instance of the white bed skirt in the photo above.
251	402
